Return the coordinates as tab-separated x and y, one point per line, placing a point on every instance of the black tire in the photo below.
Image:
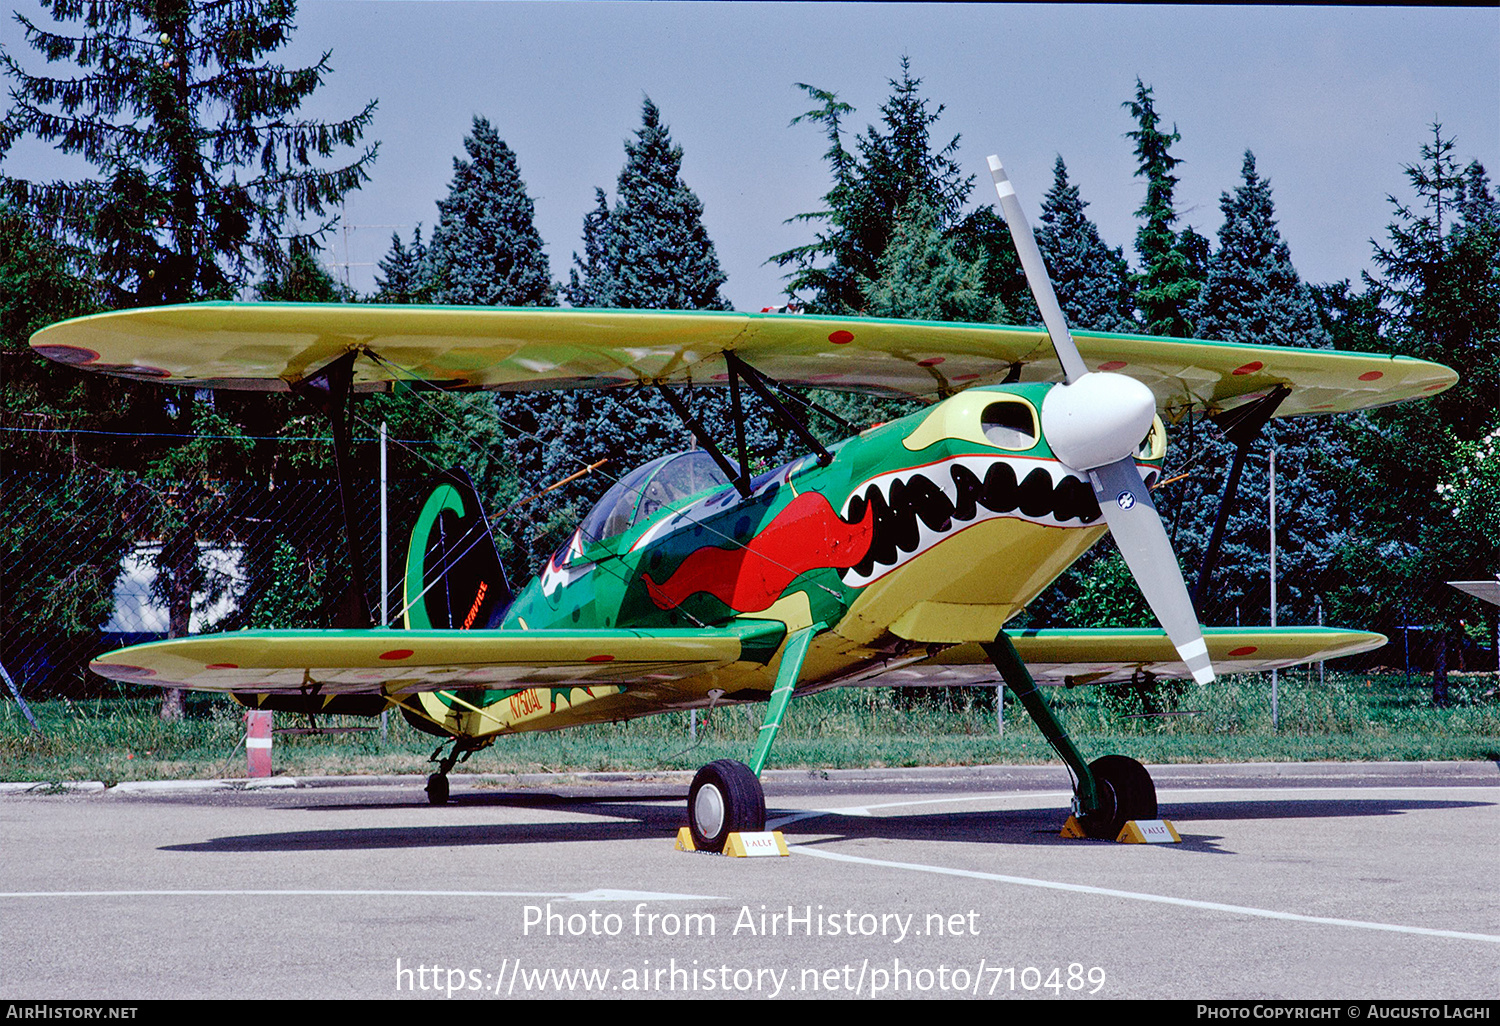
1125	793
437	789
725	798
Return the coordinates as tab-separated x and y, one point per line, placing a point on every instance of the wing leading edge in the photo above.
331	662
1105	655
267	346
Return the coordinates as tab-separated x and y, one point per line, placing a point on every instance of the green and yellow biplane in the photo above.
895	557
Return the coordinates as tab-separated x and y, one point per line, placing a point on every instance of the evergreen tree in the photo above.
888	170
923	277
1173	263
1439	296
651	252
1253	295
201	158
1252	292
61	535
485	249
1092	280
590	282
403	272
300	278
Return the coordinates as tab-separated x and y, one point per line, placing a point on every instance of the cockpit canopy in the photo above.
644	491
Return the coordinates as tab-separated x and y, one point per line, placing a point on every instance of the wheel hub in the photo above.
708	810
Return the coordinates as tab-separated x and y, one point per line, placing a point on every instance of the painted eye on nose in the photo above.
1009	425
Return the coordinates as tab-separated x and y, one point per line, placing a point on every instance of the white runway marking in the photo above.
1137	896
600	894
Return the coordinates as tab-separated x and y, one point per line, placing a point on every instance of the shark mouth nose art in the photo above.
914	509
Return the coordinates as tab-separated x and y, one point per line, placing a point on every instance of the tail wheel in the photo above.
1125	792
726	798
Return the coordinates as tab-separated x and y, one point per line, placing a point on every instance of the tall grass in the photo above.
1351	716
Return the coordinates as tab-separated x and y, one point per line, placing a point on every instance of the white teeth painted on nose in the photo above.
916	508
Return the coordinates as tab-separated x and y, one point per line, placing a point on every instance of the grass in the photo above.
1350	717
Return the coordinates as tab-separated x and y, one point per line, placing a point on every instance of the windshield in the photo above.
646	490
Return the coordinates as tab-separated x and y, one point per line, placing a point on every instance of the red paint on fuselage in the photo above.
806	535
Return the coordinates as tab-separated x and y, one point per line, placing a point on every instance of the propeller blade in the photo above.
1090	422
1036	275
1142	538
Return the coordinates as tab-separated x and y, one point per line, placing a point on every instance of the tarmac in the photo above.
1307	881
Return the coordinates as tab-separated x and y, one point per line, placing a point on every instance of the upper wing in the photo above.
1099	656
333	662
269	345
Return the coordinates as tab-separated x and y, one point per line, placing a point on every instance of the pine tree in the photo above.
200	155
403	272
649	251
1092	280
653	251
923	277
1253	296
1173	263
1439	290
888	170
590	282
300	278
485	249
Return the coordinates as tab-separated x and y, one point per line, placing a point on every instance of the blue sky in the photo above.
1332	100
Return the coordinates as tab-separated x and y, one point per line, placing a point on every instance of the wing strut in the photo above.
328	390
757	381
741	483
1242	426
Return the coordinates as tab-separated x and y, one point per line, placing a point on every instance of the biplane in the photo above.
895	557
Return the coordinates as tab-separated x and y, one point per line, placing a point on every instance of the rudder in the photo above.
454	579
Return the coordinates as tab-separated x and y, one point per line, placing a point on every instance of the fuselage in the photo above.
929	530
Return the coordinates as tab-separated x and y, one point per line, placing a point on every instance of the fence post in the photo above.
258	741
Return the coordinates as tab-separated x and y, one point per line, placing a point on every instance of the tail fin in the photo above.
453	574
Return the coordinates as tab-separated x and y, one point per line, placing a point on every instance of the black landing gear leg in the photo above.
437	783
1108	791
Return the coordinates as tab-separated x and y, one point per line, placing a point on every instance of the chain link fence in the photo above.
93	561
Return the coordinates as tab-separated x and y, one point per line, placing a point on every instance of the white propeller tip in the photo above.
1204	676
995	164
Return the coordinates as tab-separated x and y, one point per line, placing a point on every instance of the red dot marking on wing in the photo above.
1112	365
73	355
1433	387
1371	376
841	337
931	361
965	377
397	653
1243	650
1249	368
222	666
600	659
123	670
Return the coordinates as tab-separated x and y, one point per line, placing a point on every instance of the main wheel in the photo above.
725	798
437	789
1125	793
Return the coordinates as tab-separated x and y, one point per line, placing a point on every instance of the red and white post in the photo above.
258	742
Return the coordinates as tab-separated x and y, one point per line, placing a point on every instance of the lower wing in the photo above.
331	662
1104	655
